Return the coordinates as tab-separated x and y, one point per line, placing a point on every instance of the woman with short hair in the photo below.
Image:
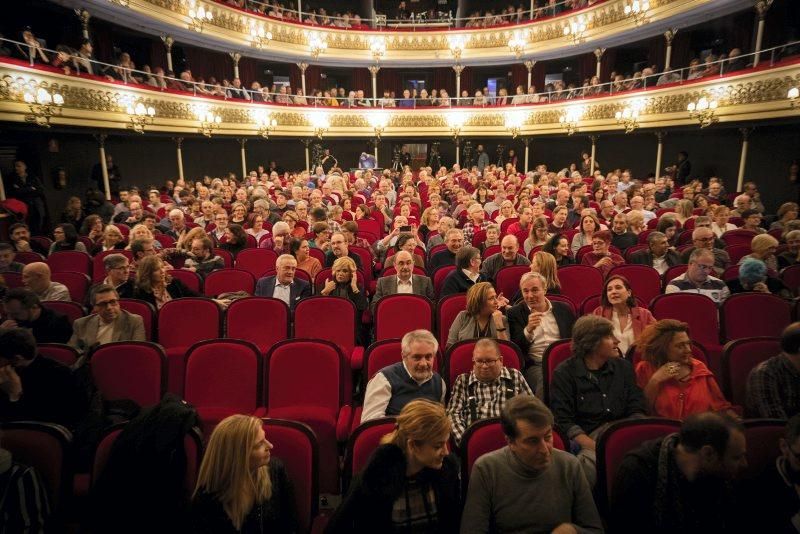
482	318
65	237
240	488
299	248
410	483
675	384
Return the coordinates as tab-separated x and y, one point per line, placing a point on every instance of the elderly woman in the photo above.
539	234
558	247
239	487
764	247
291	218
636	223
409	479
482	318
299	248
506	212
588	226
618	304
600	256
238	214
429	223
65	237
753	276
675	384
787	212
593	388
112	240
345	283
141	231
790	256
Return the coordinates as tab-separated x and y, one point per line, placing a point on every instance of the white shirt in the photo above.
379	393
472	276
625	337
543	335
660	264
105	332
283	292
404	287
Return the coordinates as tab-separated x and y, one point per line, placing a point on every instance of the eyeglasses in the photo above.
107	303
486	363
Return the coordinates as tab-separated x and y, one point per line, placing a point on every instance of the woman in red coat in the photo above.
675	384
618	305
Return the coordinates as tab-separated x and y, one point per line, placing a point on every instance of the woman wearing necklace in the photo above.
483	316
618	304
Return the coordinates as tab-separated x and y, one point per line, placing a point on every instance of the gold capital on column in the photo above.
235	56
528	64
178	141
459	69
168	42
373	69
598	53
669	35
302	66
761	7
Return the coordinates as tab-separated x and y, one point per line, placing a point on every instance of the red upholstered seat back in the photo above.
304	372
185	321
458	359
256	261
755	314
135	370
330	318
697	310
228	280
558	352
246	319
580	281
739	358
223	373
446	311
396	315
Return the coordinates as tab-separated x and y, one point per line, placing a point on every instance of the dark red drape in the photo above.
390	80
539	72
158	54
313	78
467	81
362	79
445	78
607	65
248	71
681	51
519	76
656	51
103	44
587	66
207	63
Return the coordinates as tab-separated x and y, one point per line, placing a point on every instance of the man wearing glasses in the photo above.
484	391
698	279
108	322
703	238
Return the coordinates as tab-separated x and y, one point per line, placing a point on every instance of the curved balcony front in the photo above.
602	25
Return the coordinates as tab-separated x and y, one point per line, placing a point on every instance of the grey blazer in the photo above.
127	327
387	285
463	327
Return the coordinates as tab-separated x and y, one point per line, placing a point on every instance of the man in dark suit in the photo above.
284	286
108	322
467	273
535	323
404	282
454	240
657	255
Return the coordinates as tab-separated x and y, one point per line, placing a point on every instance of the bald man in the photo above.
405	281
507	257
36	277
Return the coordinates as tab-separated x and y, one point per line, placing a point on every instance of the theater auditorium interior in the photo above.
410	266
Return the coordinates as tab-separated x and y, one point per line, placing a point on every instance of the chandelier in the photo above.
456	43
379	121
637	9
377	46
570	118
455	121
793	95
320	122
517	44
140	115
43	103
514	122
259	37
199	15
628	116
209	121
704	111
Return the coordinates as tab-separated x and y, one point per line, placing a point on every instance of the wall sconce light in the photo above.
140	115
704	111
43	102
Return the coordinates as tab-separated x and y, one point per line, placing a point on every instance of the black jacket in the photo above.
457	282
175	288
50	327
518	320
645	257
367	508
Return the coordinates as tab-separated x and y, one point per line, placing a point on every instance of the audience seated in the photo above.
592	388
35	388
117	270
240	488
535	323
202	259
108	322
24	309
7	256
600	256
528	485
773	387
36	277
658	254
703	238
675	384
454	240
395	386
284	285
507	256
484	391
698	280
618	305
483	316
410	482
405	281
155	285
466	274
26	504
681	482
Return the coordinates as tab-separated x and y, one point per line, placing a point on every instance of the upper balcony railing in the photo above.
603	24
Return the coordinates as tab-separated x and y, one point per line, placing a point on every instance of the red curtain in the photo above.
445	78
248	71
313	78
158	55
390	80
362	79
539	72
519	76
607	65
207	63
103	44
587	67
467	80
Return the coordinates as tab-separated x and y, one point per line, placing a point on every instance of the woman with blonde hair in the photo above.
345	283
239	487
153	283
112	240
410	483
140	231
684	210
544	263
720	225
482	318
507	211
764	247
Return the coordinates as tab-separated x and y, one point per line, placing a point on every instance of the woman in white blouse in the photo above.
618	305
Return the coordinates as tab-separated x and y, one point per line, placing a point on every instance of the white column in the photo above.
168	42
598	53
529	65
743	158
669	35
527	142
533	7
659	152
761	6
373	70
179	154
377	141
303	67
101	141
242	142
235	56
458	69
458	151
594	151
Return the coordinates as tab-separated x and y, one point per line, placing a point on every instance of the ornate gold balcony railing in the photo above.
753	95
